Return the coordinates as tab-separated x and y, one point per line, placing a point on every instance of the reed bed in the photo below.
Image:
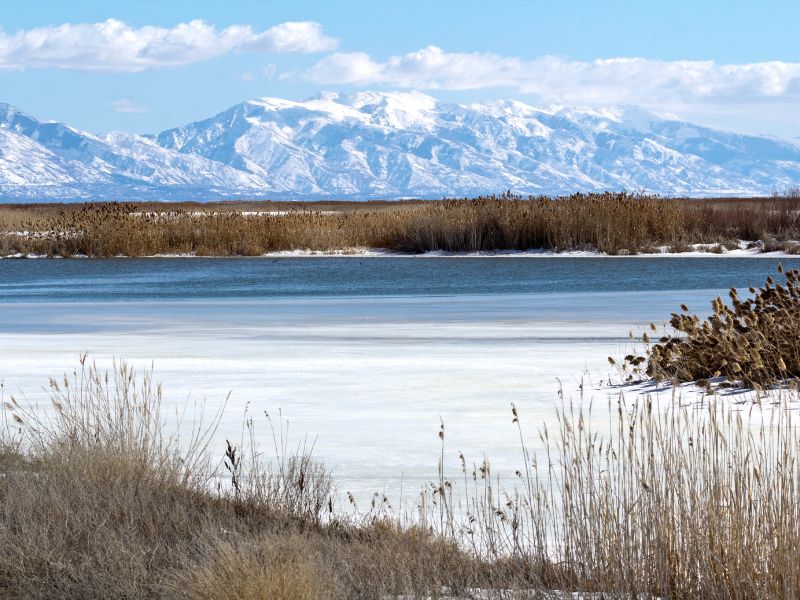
614	223
100	499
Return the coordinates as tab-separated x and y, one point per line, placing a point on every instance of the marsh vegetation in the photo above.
616	223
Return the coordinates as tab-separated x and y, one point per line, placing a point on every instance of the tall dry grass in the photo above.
659	500
642	499
614	223
100	499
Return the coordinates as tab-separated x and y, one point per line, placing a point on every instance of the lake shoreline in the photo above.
747	249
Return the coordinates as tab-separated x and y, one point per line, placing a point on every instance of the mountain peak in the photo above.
411	99
396	109
390	109
406	98
272	103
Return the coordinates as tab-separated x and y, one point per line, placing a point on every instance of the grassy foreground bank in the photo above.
610	223
99	499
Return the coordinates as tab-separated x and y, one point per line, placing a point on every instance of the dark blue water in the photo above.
82	280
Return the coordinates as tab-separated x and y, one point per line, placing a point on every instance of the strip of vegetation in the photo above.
98	501
609	223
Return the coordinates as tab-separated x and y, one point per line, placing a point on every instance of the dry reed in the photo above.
616	223
754	342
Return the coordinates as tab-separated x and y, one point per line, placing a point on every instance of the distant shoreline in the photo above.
382	253
609	224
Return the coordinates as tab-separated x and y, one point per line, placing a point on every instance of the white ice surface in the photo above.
368	377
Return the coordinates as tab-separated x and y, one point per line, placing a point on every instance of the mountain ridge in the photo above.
368	145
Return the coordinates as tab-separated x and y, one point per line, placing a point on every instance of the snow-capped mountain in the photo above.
389	145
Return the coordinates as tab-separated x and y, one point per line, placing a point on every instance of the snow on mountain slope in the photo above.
140	157
40	159
24	162
385	145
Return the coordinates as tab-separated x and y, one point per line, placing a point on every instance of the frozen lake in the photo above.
365	354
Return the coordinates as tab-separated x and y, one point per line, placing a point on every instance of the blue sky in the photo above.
147	65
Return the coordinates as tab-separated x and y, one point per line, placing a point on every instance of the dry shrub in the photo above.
412	559
376	559
755	341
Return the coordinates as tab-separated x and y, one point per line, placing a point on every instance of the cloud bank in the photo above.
731	92
554	79
115	46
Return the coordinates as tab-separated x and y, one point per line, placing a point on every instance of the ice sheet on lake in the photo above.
368	377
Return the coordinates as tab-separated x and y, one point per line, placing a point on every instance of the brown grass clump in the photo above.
615	223
275	568
755	341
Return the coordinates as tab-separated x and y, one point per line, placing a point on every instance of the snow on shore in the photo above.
745	250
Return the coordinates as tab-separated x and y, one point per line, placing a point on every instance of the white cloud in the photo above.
297	37
558	80
126	105
115	46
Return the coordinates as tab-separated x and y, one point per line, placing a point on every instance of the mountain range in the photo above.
389	145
